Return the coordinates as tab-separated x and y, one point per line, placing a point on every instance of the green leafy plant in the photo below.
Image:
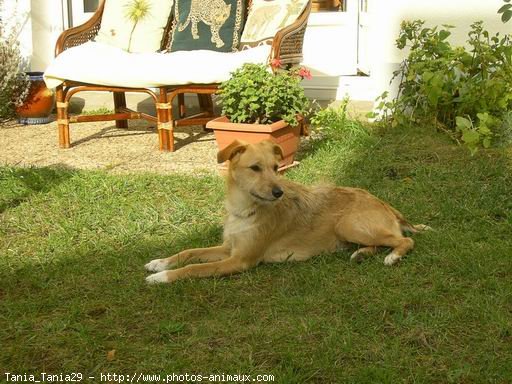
473	134
506	11
331	120
464	92
333	123
255	94
14	82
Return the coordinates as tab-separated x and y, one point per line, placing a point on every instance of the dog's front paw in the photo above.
391	259
160	277
156	265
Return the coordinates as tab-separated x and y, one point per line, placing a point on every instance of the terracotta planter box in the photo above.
281	133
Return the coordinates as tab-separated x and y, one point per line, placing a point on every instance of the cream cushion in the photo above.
102	64
119	30
267	17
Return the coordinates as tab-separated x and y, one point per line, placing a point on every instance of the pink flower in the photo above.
305	73
276	63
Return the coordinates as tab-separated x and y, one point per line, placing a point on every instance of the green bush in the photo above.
13	82
506	11
465	92
254	94
332	123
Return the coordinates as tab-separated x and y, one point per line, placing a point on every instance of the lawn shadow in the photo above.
191	133
112	130
25	182
194	134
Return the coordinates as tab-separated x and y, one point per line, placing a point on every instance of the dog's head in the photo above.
253	169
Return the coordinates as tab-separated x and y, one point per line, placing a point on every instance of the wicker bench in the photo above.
286	45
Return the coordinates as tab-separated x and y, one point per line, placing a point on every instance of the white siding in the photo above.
387	16
16	15
47	24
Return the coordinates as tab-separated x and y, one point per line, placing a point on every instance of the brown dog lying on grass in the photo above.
271	219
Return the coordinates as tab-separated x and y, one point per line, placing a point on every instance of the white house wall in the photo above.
330	52
47	24
387	16
329	42
16	15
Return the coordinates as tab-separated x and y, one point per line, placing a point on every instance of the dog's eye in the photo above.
255	168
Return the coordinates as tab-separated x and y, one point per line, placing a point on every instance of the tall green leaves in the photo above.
506	11
254	94
463	91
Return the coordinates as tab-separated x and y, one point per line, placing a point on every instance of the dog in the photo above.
271	220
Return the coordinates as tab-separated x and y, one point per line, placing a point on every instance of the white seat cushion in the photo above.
101	64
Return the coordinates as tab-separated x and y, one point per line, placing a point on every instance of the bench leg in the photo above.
62	118
181	105
205	105
119	103
209	102
165	122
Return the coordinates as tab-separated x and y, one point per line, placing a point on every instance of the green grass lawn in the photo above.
73	245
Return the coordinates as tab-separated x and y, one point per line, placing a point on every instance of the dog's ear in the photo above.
275	148
230	151
278	151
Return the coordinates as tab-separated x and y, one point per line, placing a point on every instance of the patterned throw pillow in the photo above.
134	25
207	24
267	17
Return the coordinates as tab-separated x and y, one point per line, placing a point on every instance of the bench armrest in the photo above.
82	33
287	43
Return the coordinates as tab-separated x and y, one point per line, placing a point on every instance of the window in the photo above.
79	11
90	5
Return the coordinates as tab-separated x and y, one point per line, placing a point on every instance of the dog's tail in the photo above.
414	228
405	226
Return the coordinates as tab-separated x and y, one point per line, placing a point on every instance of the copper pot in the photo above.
325	5
38	104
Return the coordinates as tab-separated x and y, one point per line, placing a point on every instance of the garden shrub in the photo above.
465	92
13	81
333	123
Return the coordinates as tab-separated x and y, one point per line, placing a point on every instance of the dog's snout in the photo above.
277	192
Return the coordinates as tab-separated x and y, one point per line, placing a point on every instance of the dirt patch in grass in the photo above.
101	145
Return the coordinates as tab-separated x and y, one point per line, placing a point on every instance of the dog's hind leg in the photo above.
400	245
197	255
370	235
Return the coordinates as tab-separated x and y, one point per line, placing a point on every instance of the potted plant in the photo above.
261	104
